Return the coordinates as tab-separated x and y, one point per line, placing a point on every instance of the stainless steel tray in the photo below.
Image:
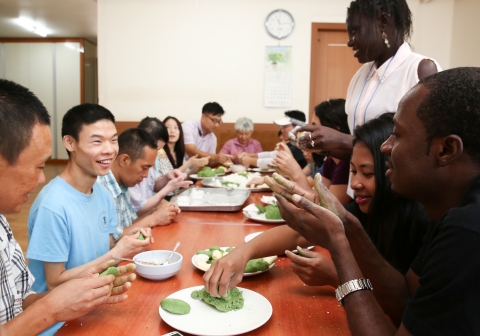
209	199
212	183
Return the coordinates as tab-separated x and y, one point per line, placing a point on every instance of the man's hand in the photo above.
172	174
129	245
165	214
78	297
287	188
120	285
176	183
314	268
225	273
320	225
322	196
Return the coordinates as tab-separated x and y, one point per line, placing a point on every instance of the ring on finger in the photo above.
313	144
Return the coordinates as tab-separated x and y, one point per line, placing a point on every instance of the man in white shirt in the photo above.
199	138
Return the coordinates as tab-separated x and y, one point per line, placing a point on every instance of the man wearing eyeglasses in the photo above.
199	137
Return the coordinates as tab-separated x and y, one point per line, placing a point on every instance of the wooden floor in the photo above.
19	222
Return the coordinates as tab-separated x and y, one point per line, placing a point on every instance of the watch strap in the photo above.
352	286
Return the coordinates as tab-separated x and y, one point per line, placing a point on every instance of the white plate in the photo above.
253	235
261	218
269	200
205	320
196	177
262	170
244	274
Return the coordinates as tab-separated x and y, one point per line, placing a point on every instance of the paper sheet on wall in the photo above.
278	77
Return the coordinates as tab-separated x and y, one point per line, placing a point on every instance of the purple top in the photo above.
233	146
337	173
192	134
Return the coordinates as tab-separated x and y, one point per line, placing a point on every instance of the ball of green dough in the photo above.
111	270
175	306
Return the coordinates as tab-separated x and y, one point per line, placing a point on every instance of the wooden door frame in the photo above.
316	26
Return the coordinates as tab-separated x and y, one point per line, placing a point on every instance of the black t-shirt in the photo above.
406	242
298	155
448	264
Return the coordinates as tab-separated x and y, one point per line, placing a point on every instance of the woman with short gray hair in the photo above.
244	125
243	143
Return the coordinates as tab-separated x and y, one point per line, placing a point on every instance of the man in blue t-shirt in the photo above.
25	146
73	217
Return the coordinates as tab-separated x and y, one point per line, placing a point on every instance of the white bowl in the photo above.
236	168
158	272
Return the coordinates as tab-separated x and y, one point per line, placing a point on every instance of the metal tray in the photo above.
209	199
212	183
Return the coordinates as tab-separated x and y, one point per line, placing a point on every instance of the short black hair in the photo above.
133	142
453	107
295	114
397	9
155	128
332	114
83	114
214	108
20	111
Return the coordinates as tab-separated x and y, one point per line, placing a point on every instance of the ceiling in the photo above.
60	18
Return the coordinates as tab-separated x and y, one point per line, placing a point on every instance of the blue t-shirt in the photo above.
68	226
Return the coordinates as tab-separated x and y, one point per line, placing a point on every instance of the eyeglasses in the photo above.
215	121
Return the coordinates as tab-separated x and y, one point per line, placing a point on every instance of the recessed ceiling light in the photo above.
30	26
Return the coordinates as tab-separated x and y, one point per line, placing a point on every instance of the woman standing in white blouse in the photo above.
378	31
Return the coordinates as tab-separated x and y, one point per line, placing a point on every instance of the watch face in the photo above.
279	24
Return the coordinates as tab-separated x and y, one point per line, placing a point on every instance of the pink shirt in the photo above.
233	147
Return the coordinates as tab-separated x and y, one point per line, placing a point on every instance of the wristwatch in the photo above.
352	286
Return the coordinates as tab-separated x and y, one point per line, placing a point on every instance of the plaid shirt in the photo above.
125	212
15	278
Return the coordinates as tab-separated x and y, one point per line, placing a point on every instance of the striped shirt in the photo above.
15	277
123	204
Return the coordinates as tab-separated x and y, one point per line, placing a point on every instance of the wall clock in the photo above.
279	24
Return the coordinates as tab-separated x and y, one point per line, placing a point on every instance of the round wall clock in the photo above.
279	24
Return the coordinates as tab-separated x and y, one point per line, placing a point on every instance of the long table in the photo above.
297	309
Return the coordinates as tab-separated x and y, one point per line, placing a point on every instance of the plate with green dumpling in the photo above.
204	258
204	319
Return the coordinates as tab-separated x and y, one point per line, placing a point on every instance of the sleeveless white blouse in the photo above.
382	90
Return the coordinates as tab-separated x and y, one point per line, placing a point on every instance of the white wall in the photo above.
432	29
465	41
163	57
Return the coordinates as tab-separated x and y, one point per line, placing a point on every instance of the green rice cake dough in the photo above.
206	252
233	299
256	265
175	306
111	270
272	212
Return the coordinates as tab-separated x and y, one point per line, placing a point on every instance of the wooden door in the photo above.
332	63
